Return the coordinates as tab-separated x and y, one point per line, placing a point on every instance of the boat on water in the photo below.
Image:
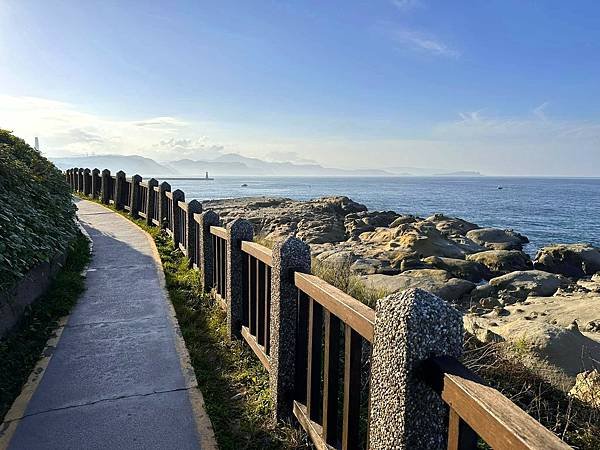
244	185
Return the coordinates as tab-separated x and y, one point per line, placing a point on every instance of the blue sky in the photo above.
504	87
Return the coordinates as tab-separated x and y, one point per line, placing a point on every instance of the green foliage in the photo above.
21	349
36	211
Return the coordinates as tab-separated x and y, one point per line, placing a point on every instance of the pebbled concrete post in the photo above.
162	202
105	187
152	183
96	183
68	176
134	195
80	180
410	327
204	247
194	207
289	255
238	230
87	182
178	196
120	182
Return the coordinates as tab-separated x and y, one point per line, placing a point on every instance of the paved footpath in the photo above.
119	377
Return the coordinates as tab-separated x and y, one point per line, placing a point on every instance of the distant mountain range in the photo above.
233	164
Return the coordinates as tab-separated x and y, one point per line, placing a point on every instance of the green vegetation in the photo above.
36	211
21	349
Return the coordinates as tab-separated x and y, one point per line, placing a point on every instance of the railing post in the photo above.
205	250
120	181
178	196
152	183
162	202
71	178
105	195
194	207
67	176
238	230
289	256
80	179
87	182
96	183
410	327
134	195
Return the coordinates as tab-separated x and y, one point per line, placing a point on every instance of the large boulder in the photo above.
451	225
587	388
361	222
500	262
572	260
459	268
438	282
565	348
522	283
497	239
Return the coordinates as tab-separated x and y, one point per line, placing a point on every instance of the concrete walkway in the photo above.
119	377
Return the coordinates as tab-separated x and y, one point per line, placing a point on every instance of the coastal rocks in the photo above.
451	225
497	239
587	388
565	348
364	221
459	268
500	262
521	284
438	282
572	260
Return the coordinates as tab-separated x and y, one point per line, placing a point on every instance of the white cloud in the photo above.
288	156
404	5
423	42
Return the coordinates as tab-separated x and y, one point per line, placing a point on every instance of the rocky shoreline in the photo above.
551	302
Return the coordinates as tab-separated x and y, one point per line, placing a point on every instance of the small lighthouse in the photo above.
205	177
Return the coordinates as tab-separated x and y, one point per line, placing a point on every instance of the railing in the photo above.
352	376
126	195
257	299
219	245
143	200
330	322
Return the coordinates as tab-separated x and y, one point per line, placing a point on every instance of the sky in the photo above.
499	86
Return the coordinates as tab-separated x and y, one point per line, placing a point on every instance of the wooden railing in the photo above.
334	339
126	195
257	304
219	245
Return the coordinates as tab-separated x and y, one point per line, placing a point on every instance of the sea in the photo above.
546	210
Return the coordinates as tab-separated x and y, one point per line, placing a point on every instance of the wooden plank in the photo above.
313	429
331	379
499	422
453	430
219	232
351	412
352	312
258	251
268	310
155	222
142	214
315	343
260	302
169	195
182	205
258	349
252	295
301	348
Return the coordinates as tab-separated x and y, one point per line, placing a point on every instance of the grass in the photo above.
21	349
233	382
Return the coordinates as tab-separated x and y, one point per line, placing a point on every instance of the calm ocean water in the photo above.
546	210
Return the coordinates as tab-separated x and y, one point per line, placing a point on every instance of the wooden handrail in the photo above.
219	232
258	251
169	194
491	415
156	189
183	205
349	310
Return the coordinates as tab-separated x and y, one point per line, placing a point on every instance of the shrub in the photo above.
36	211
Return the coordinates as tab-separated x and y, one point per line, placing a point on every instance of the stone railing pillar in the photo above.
67	175
162	202
205	255
134	195
105	187
289	255
410	327
87	182
178	196
238	230
120	181
80	180
194	207
96	183
152	183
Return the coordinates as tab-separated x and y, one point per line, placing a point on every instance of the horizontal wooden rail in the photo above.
258	251
156	189
183	205
258	349
219	232
349	310
169	195
314	430
490	414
